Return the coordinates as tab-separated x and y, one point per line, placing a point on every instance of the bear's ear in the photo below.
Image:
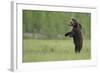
74	21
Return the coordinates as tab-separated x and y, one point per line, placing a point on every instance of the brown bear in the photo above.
76	34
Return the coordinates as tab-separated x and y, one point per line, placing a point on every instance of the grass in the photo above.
53	50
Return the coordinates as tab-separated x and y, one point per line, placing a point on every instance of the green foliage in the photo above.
53	50
53	25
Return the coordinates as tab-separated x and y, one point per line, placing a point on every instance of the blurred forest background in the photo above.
52	24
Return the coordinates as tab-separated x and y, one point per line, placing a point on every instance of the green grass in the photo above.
53	50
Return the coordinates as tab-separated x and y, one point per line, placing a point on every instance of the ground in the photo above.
35	50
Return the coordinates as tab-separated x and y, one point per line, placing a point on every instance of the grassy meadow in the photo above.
53	50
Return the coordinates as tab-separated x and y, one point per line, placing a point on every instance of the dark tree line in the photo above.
53	25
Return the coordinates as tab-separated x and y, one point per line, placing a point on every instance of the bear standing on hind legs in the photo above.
76	34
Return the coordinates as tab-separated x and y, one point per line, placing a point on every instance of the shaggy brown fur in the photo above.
76	34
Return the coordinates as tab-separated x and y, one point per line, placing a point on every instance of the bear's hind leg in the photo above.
77	49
